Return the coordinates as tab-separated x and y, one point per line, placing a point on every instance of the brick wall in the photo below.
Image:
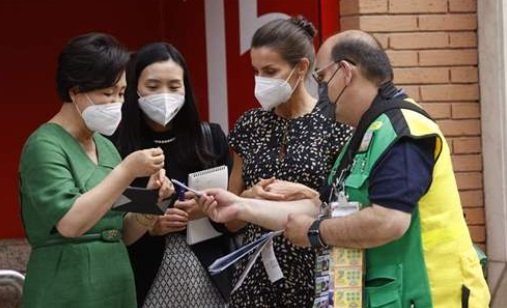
433	47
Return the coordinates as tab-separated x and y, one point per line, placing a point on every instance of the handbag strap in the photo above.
387	99
208	137
209	145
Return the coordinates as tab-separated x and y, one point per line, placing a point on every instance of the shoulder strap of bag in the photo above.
387	99
208	137
208	143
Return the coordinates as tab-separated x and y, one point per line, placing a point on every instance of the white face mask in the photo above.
102	118
271	92
163	107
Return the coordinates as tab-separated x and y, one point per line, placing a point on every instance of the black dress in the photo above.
299	150
147	254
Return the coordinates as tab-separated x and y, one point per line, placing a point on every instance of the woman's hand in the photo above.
277	190
260	191
159	181
190	206
290	191
173	220
144	162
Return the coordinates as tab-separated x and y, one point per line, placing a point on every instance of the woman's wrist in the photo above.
124	172
145	220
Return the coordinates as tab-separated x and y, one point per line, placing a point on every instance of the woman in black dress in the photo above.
160	111
293	137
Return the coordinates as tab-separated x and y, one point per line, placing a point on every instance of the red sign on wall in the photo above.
230	76
213	35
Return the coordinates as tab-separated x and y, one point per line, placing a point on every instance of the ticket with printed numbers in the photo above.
347	257
347	277
348	298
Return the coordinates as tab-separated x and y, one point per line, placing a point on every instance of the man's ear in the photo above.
348	71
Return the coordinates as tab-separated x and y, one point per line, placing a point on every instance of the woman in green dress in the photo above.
70	176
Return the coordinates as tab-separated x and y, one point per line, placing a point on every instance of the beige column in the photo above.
493	76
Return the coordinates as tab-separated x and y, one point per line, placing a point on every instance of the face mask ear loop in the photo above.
340	95
334	74
290	75
89	100
297	82
79	112
77	108
343	90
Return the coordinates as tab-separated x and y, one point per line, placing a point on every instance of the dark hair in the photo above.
365	51
89	62
191	152
291	38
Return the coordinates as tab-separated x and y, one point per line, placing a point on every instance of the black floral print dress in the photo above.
299	150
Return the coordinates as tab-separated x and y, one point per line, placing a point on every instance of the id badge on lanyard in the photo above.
347	263
338	202
343	207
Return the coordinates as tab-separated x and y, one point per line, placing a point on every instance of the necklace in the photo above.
164	141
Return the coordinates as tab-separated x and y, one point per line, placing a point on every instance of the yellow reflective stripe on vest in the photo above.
448	252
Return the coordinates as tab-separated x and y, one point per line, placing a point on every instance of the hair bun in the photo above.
305	25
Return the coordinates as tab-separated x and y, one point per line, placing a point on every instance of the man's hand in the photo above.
220	205
296	230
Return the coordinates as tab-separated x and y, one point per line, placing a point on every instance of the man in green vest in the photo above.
397	169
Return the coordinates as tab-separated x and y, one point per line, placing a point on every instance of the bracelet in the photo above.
145	220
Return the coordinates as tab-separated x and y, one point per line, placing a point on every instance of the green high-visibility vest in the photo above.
434	263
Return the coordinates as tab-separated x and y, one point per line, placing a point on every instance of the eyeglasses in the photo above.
317	74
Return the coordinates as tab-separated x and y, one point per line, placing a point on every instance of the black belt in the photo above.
110	235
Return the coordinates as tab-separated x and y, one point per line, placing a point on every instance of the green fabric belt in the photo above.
110	235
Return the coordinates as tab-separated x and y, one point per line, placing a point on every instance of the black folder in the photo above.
142	200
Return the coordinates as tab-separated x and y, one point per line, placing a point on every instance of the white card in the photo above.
271	263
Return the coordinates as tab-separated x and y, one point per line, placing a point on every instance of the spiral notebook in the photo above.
199	230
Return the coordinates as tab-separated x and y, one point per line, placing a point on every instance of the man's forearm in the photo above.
371	227
273	215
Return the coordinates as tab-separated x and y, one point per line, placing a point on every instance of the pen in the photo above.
181	193
196	192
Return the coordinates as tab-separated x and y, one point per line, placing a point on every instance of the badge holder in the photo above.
346	263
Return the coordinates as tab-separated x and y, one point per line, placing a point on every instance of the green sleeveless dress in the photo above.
54	172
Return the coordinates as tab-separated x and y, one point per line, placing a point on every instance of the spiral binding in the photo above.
203	172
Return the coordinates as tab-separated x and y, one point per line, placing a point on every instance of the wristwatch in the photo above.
314	234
